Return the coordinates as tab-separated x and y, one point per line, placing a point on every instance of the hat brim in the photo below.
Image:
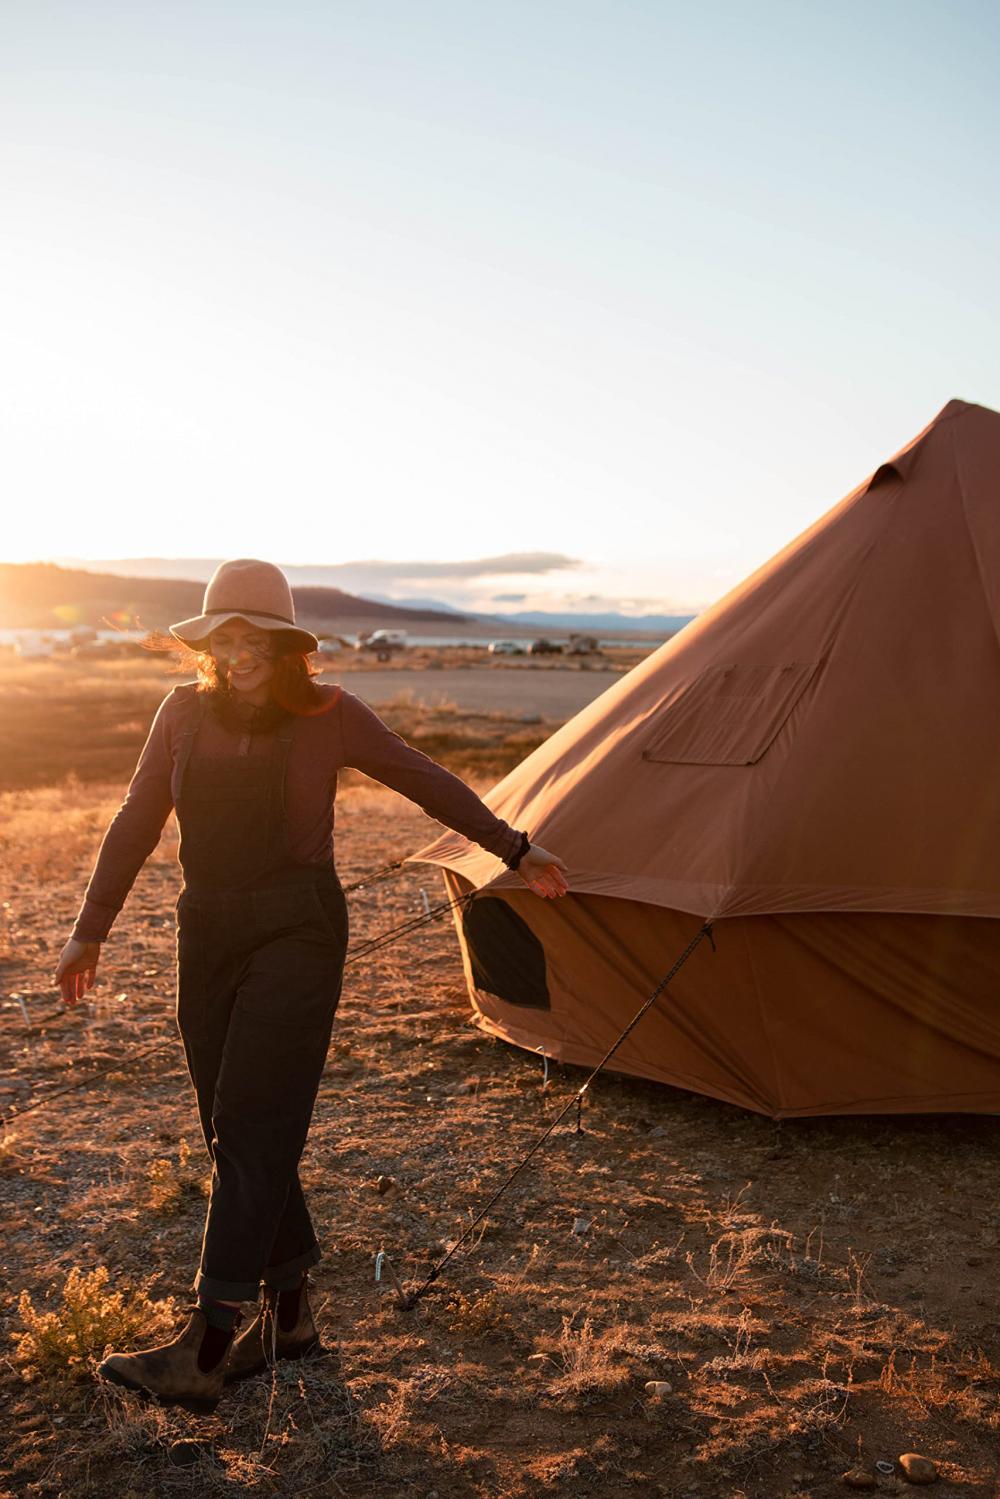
195	632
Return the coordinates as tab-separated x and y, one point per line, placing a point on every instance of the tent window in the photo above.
729	715
507	958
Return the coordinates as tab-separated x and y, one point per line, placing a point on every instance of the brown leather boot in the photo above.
263	1340
171	1371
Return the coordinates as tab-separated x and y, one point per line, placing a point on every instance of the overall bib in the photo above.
261	942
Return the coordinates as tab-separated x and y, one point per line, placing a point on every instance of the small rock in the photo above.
182	1454
537	1358
658	1387
580	1226
384	1184
917	1469
859	1478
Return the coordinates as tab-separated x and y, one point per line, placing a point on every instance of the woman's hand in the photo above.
543	872
76	969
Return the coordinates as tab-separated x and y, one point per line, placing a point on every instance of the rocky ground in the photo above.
813	1296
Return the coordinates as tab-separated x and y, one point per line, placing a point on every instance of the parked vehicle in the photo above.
382	642
544	648
505	648
117	649
32	645
583	645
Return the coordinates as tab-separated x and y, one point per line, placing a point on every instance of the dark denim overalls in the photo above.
260	957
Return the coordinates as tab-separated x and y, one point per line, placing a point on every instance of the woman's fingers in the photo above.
549	882
76	970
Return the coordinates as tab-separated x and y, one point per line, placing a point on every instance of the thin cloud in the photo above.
367	573
511	564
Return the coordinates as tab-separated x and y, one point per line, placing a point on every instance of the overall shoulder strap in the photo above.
282	744
193	719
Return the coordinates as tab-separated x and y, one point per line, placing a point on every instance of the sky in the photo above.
627	294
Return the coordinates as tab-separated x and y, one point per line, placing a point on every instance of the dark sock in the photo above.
220	1326
217	1314
288	1305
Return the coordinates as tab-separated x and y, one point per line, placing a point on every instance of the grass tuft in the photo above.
174	1184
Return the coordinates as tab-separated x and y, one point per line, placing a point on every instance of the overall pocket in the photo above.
330	903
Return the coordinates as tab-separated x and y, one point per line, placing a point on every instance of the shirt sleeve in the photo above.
132	834
371	746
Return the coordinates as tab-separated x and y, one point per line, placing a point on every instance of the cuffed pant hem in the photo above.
225	1290
274	1273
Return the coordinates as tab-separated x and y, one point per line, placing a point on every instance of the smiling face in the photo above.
244	657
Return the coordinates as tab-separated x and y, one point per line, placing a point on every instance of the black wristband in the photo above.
522	849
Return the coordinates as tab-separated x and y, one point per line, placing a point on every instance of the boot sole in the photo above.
303	1351
198	1405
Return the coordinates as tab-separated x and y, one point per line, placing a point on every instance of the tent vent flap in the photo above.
729	715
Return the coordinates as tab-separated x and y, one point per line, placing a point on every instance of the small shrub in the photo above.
59	1344
10	1150
736	1252
173	1183
593	1364
477	1315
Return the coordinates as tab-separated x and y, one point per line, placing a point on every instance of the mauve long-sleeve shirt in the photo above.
343	732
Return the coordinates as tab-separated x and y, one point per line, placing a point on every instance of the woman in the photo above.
249	756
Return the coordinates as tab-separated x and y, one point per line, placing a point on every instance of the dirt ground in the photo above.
816	1294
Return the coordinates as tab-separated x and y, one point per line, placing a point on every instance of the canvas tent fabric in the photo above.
811	764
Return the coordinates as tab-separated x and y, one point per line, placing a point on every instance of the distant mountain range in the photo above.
42	596
47	595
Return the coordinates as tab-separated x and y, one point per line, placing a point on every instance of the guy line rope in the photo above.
375	944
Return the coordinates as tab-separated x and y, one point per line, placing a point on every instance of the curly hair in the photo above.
291	687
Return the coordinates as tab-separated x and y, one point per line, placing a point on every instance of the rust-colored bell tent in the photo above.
814	764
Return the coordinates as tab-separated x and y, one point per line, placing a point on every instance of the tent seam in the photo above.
859	573
776	1077
970	533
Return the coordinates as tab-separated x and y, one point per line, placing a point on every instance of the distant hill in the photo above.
42	596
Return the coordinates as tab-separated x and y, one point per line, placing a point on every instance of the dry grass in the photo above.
174	1180
590	1363
61	1344
89	719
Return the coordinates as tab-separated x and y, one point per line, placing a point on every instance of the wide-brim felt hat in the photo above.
257	592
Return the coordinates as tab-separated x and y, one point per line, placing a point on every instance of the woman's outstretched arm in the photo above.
371	746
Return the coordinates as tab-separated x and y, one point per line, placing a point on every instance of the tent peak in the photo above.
900	465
